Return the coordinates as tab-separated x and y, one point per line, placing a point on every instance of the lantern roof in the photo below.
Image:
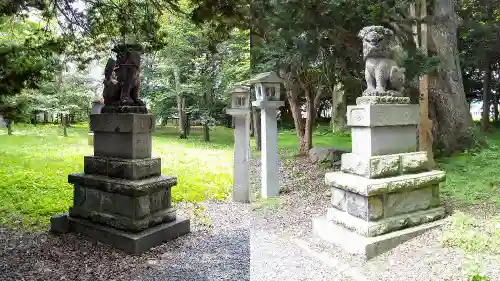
239	89
266	77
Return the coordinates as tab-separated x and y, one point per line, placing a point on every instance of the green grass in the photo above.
472	235
473	177
36	160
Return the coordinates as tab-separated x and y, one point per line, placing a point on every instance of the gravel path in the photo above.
215	250
288	225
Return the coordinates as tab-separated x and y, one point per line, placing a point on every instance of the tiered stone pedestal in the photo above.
121	198
385	193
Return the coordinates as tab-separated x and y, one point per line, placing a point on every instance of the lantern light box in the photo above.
240	100
267	86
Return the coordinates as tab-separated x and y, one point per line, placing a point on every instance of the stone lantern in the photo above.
240	110
267	88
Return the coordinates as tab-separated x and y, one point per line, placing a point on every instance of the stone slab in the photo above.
122	123
369	187
383	115
367	247
386	225
132	169
133	243
384	165
237	112
372	141
268	104
122	145
122	186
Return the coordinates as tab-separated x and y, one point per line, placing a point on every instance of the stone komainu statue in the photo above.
122	77
382	74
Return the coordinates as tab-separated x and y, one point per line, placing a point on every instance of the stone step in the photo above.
376	228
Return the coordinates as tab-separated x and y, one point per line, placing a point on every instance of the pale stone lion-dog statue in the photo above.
382	74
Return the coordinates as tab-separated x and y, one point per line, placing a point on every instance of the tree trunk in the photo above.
206	132
180	104
252	127
295	105
485	117
8	123
495	108
257	128
448	108
64	121
309	124
339	109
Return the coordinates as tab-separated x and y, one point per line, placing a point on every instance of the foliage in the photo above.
25	55
189	67
34	165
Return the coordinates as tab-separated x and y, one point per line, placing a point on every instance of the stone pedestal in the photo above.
122	198
385	193
241	172
269	152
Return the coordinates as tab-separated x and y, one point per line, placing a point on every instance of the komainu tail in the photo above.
397	78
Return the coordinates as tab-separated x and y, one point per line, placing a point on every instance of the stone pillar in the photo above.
121	198
269	151
241	180
385	193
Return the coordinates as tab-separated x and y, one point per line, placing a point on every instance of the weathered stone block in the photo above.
369	187
132	169
122	145
367	208
436	201
414	162
382	115
339	199
121	186
384	165
132	213
375	228
122	123
372	141
59	224
406	202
